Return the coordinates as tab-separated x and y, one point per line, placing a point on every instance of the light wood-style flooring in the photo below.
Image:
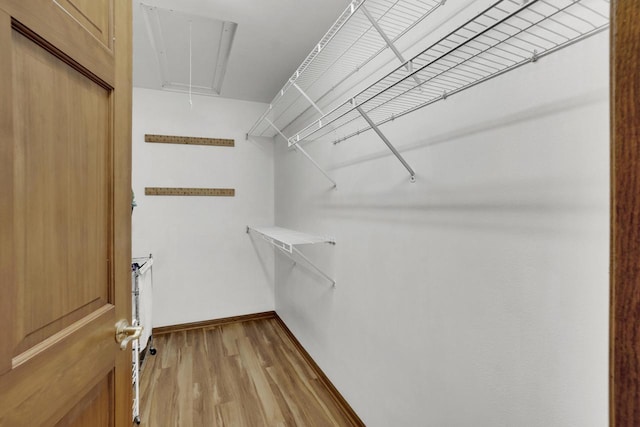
241	374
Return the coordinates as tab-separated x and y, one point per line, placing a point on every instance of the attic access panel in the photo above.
192	51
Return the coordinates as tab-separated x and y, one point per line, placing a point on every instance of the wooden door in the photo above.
65	193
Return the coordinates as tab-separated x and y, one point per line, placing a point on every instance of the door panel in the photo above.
61	156
56	23
65	167
93	15
46	384
93	409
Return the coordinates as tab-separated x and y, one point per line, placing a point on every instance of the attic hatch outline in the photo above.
168	31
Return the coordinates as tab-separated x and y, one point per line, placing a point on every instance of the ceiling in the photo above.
271	40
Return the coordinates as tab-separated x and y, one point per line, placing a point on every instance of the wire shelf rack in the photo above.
351	43
505	36
286	240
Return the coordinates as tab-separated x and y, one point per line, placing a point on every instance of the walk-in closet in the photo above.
320	213
422	198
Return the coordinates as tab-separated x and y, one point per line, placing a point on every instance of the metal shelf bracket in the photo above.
315	267
297	147
304	94
304	153
387	40
386	141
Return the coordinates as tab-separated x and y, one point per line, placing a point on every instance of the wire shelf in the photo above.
503	37
286	240
350	44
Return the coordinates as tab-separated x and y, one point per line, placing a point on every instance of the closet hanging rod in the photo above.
505	36
446	95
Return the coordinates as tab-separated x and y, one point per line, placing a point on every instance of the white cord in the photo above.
190	67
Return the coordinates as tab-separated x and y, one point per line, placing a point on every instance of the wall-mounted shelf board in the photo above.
189	140
182	191
286	241
364	30
505	36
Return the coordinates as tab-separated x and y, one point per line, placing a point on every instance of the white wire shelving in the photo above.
503	37
363	31
286	240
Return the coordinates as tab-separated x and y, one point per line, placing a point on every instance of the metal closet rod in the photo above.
446	95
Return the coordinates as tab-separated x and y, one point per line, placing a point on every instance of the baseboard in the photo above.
322	377
335	394
212	323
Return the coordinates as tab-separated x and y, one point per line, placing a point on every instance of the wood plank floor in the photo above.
241	374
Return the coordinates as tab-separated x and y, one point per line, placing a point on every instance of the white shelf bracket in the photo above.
307	98
386	141
297	147
315	267
387	40
304	153
276	129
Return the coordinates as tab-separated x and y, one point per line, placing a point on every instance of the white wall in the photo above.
206	266
477	296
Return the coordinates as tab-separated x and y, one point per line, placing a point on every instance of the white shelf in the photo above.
286	241
351	43
505	36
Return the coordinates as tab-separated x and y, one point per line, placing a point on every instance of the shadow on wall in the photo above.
262	143
290	261
299	297
545	110
542	201
540	205
498	217
264	261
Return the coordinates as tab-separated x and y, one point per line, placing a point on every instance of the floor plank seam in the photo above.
240	371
